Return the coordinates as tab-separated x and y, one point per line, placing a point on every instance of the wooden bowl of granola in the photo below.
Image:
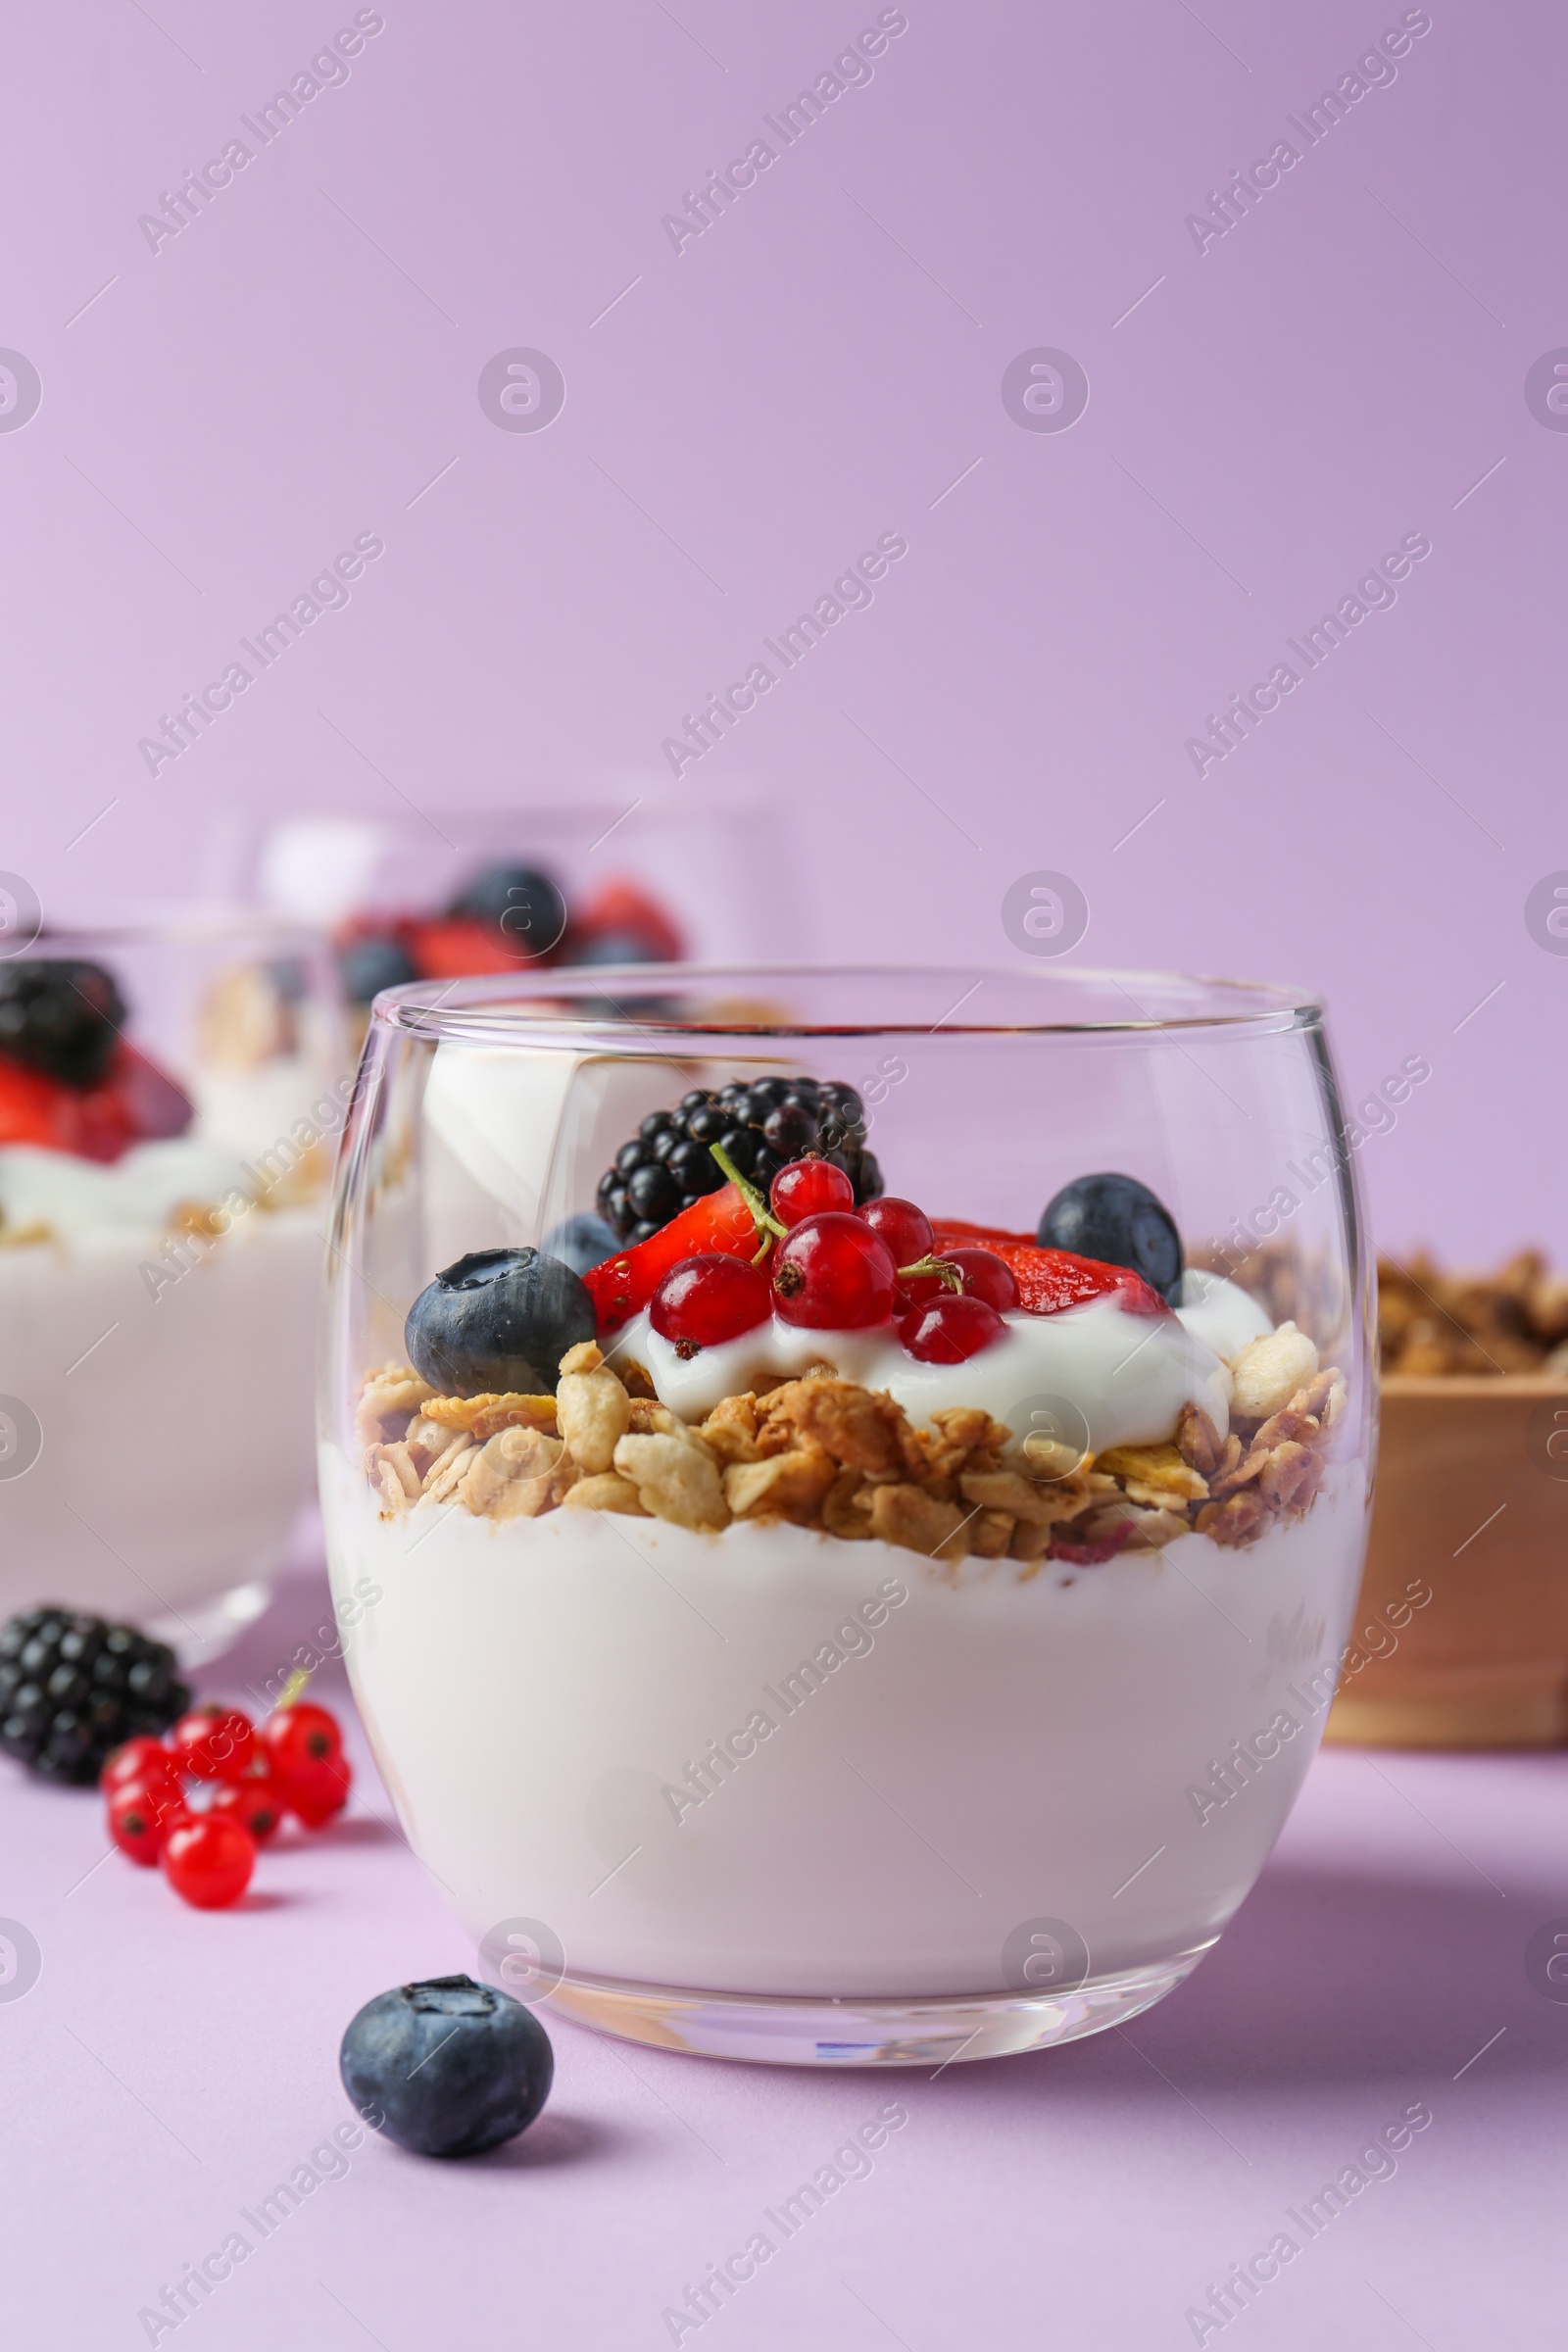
1461	1640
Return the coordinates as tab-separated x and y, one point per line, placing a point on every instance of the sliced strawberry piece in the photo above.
95	1125
155	1106
959	1234
135	1101
622	1286
35	1109
451	946
28	1105
620	909
1050	1280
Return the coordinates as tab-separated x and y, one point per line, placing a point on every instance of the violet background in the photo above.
820	366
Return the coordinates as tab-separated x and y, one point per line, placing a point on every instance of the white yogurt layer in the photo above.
141	1191
178	1429
936	1772
1127	1375
170	1380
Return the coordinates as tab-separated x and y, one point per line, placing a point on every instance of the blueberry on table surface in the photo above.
1122	1223
497	1321
447	2067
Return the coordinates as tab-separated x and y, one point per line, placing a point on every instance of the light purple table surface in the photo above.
170	2067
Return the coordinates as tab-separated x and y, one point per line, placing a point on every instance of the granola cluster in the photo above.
1515	1320
825	1453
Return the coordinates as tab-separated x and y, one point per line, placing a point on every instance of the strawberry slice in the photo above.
89	1122
622	1286
454	946
620	909
132	1103
1050	1280
94	1125
29	1105
154	1106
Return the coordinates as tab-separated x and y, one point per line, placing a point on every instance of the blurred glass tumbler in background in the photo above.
170	1094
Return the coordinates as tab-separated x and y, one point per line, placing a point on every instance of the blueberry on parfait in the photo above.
497	1322
1120	1222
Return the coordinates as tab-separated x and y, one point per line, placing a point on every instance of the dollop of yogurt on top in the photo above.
1221	1313
139	1192
1102	1376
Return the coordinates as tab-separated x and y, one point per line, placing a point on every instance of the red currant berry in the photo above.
298	1739
257	1804
709	1298
141	1814
986	1276
314	1795
950	1329
833	1273
209	1859
808	1188
215	1743
136	1760
919	1291
905	1229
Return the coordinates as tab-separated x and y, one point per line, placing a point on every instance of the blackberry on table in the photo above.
762	1124
74	1687
61	1016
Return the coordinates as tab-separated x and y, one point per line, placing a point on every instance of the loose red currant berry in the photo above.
833	1273
314	1795
136	1760
257	1804
905	1229
708	1300
215	1743
950	1329
209	1859
986	1276
808	1188
298	1739
141	1815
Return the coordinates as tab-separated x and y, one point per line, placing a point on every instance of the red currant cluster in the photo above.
292	1762
829	1266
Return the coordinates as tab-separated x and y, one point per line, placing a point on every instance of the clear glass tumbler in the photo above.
834	1635
170	1093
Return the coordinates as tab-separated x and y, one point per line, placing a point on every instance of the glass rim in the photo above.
175	922
534	1005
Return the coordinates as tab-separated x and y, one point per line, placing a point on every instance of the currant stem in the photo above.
293	1687
950	1275
762	1217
